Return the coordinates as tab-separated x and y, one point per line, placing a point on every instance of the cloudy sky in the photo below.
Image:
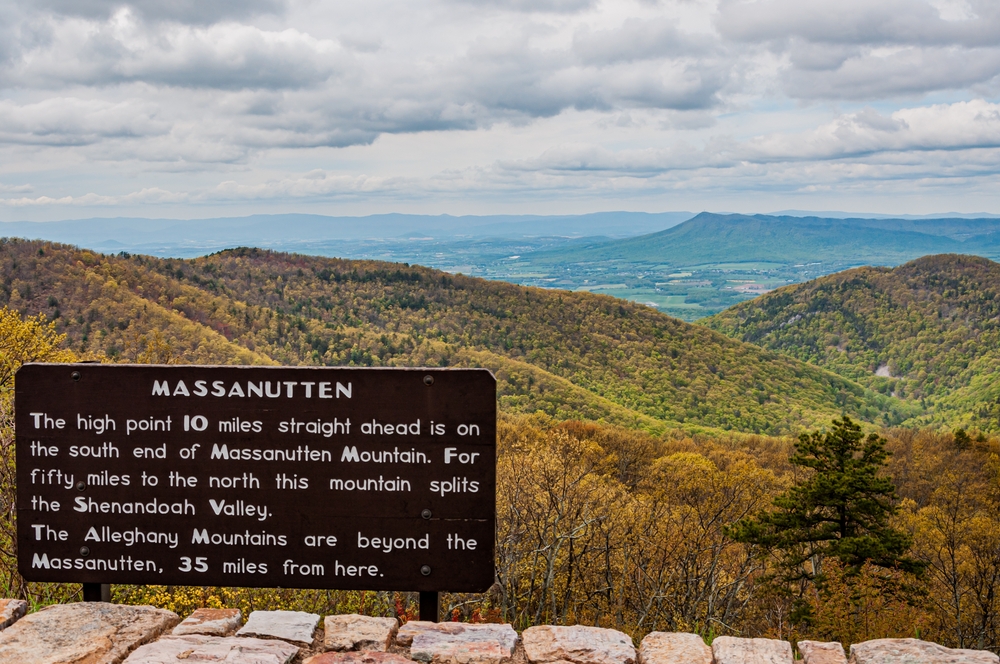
193	108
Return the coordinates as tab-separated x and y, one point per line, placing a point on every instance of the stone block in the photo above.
11	610
293	626
354	657
85	632
915	651
458	643
212	622
202	649
822	652
674	648
356	632
405	634
733	650
577	644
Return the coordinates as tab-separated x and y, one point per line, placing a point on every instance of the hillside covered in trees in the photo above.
565	354
625	523
927	332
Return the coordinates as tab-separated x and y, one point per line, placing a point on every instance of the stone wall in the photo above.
99	633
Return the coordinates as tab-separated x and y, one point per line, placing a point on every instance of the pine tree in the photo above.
840	509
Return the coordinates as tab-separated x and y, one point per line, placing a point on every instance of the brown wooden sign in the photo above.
378	479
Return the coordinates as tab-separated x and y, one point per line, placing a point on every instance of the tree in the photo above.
28	340
841	508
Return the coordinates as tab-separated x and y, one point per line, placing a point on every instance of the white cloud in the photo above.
861	22
187	11
220	56
70	121
971	125
131	105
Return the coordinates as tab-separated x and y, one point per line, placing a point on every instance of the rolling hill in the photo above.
568	354
927	331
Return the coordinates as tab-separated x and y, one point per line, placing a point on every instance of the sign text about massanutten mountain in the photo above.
240	476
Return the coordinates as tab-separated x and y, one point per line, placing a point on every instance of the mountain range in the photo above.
735	238
914	344
572	355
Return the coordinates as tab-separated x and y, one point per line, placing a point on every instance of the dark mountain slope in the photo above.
603	357
931	327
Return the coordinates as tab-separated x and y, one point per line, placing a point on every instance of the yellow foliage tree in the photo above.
31	339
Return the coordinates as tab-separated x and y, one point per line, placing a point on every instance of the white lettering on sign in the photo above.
390	544
130	537
152	507
40	504
319	427
247	481
353	570
455	485
122	564
375	428
105	478
38	449
241	566
239	425
96	424
261	388
246	538
44	533
239	508
105	451
300	453
291	567
53	476
43	421
460	457
150	424
458	543
370	484
351	453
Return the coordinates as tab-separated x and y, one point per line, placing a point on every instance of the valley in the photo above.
688	266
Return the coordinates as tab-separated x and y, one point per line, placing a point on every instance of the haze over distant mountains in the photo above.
689	266
912	344
312	233
677	238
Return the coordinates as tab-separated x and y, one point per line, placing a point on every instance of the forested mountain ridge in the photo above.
927	331
569	354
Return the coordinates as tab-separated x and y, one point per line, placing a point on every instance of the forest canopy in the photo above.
630	444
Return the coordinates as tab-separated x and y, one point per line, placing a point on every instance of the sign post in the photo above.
330	478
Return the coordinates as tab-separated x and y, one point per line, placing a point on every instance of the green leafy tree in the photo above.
841	508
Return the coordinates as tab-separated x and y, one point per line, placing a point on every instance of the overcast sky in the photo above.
188	108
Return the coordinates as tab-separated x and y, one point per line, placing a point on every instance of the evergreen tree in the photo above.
841	508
